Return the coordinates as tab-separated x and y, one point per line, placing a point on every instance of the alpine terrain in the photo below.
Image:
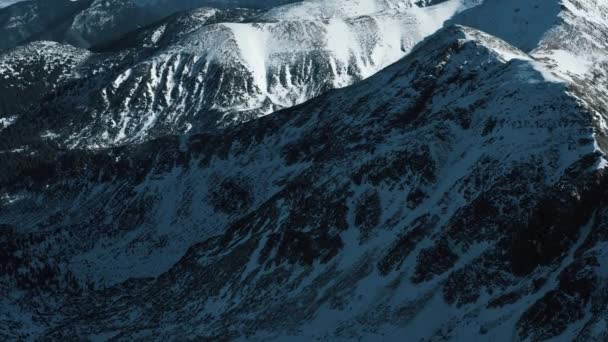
368	170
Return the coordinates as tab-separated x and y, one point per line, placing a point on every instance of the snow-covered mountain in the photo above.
34	20
164	6
208	68
570	34
85	23
457	194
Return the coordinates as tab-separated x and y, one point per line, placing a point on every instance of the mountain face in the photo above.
84	23
172	6
211	68
81	23
30	20
456	194
31	71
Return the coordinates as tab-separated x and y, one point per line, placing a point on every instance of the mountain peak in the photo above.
521	23
545	29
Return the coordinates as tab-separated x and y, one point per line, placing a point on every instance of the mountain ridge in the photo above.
459	193
197	85
336	223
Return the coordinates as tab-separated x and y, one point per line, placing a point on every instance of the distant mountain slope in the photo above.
172	6
6	3
31	20
214	68
85	23
319	9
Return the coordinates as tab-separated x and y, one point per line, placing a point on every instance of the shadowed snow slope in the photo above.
33	20
571	33
377	175
414	203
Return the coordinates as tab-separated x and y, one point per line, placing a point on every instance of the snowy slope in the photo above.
169	6
31	72
84	23
570	36
261	67
35	20
570	33
226	72
81	23
68	100
318	9
413	203
104	20
459	193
